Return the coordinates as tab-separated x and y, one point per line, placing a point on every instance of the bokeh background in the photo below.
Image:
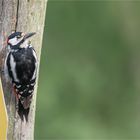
89	85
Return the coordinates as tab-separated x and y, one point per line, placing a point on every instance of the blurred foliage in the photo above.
89	86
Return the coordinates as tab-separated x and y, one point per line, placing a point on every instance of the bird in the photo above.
21	68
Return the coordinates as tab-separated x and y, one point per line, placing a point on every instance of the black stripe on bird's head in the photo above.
17	38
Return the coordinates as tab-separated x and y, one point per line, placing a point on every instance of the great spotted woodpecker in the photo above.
21	66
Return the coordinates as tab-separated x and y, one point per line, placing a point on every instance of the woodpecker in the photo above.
21	66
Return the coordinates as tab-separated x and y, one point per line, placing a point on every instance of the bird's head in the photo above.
18	38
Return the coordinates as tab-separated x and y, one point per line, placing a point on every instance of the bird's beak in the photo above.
28	35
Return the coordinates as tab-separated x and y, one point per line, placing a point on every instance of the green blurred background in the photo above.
89	86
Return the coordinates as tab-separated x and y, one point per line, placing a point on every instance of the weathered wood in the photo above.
25	16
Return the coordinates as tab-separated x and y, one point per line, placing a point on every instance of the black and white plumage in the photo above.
21	65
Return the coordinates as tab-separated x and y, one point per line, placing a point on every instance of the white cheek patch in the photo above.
13	41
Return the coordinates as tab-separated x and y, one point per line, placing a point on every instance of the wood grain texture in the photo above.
25	16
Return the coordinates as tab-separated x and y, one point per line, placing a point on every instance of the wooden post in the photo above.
26	16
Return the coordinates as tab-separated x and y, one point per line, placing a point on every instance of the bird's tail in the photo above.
22	104
23	112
